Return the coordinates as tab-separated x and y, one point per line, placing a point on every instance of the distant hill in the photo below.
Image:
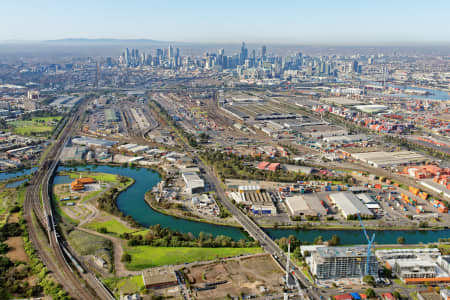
84	41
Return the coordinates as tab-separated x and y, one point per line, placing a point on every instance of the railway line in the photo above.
53	253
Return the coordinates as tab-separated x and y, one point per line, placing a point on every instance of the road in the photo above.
255	231
79	286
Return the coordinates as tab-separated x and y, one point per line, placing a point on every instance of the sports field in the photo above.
36	126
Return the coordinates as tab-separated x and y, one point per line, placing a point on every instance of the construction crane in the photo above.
369	245
288	273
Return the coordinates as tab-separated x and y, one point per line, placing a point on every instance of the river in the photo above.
131	202
13	174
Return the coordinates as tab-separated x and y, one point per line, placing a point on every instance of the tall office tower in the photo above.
220	57
136	57
244	54
127	57
299	57
159	53
355	66
170	52
225	62
263	52
253	54
177	57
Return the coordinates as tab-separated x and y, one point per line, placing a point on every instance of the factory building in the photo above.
405	269
258	200
194	184
390	159
305	205
349	205
415	266
91	142
346	139
73	153
341	262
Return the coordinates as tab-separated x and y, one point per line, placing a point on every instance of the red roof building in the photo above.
263	165
388	296
273	166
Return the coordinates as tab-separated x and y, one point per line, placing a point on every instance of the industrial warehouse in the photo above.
349	205
194	184
305	205
390	159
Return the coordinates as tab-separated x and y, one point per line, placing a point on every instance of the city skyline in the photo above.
323	23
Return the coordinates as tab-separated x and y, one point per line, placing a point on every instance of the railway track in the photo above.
53	253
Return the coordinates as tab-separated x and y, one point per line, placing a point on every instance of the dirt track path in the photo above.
120	268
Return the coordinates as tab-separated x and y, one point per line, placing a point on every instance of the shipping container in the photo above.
414	190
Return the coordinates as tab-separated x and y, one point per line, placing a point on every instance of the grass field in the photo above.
147	257
404	285
102	177
36	126
125	285
113	226
88	244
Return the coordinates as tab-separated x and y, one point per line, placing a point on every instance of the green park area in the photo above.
147	256
100	177
112	226
125	285
42	126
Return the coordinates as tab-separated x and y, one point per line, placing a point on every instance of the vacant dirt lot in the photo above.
17	252
256	275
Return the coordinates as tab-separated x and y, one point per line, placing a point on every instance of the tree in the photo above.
387	272
297	253
102	230
126	258
318	240
370	293
368	279
396	294
334	241
4	248
400	240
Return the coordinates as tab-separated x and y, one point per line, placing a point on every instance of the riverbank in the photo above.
153	205
132	204
308	226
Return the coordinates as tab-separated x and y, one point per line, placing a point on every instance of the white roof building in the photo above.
307	205
194	183
349	204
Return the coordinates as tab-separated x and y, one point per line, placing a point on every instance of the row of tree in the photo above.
165	237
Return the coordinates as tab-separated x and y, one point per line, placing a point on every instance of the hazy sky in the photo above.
296	21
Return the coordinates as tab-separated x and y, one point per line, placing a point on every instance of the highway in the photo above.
255	231
82	285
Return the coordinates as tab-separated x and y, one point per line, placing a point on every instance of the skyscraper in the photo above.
263	52
244	54
170	52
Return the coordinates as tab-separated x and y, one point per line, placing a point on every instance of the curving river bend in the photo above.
131	202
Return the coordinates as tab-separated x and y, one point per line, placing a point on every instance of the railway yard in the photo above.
300	171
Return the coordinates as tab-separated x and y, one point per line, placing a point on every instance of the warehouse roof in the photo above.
193	180
305	204
349	204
